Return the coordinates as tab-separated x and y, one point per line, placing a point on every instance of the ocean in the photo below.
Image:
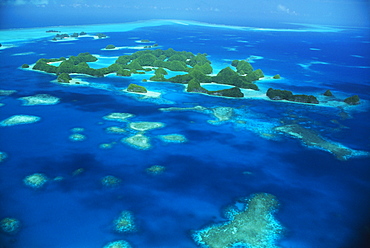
212	173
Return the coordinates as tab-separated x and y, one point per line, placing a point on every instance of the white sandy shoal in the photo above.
151	94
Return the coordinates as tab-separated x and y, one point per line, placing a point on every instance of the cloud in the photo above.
283	8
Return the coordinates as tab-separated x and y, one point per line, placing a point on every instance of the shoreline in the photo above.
248	94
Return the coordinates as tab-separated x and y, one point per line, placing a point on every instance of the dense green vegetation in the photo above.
196	67
101	35
64	78
353	100
110	46
136	88
232	92
328	93
194	86
75	64
25	66
274	94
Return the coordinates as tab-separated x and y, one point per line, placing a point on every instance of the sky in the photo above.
34	13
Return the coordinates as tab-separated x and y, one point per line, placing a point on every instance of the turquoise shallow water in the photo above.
323	200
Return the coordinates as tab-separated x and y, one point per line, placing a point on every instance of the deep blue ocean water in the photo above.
324	202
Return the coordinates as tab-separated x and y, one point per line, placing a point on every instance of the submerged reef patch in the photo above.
106	145
138	141
223	113
7	92
40	99
173	138
3	156
118	244
19	120
36	180
196	108
10	225
155	169
121	117
116	130
77	129
253	227
77	137
312	139
145	125
125	222
110	181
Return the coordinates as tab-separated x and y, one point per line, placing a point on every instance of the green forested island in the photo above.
275	94
197	69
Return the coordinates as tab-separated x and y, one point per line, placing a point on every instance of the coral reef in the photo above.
77	129
174	138
196	108
77	172
36	180
106	146
110	181
121	117
118	244
253	227
19	120
7	92
223	113
138	141
145	125
114	129
3	156
125	222
155	169
10	225
312	139
77	137
40	99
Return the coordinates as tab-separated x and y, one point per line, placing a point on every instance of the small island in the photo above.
101	35
110	46
136	88
59	36
353	100
328	93
274	94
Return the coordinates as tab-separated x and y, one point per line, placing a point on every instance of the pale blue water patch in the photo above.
102	62
214	87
